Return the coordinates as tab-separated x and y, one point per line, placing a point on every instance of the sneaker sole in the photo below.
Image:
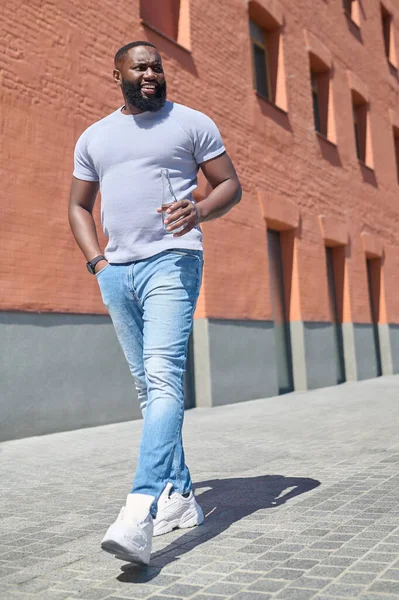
120	553
169	526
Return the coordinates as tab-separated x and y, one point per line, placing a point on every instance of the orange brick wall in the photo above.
56	65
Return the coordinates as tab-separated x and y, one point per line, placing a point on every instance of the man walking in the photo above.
150	273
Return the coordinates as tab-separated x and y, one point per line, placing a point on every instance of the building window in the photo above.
267	55
170	18
360	147
361	124
396	143
348	6
322	104
352	10
260	60
388	35
322	100
386	19
316	102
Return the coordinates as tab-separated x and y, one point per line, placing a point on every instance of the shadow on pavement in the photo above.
224	502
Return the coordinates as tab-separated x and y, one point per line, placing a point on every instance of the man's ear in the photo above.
117	77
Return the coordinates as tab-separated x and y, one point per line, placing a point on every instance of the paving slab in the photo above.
300	494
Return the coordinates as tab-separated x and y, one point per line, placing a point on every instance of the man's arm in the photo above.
226	193
226	188
81	203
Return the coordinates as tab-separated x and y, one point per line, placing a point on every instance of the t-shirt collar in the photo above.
139	116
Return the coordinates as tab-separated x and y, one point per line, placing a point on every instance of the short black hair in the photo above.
125	49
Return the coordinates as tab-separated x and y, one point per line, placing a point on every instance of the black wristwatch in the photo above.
92	263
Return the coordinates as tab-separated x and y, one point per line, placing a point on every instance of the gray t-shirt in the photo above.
126	153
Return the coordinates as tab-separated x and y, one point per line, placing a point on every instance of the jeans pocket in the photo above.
184	252
102	270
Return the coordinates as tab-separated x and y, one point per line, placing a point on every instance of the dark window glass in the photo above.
262	86
316	102
348	6
396	142
386	29
357	136
260	60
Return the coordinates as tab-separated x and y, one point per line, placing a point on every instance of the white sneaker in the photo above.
130	537
176	512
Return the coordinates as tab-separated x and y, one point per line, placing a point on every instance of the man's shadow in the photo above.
224	502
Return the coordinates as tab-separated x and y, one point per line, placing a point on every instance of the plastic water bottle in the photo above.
168	198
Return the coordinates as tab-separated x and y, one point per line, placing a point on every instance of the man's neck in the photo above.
130	109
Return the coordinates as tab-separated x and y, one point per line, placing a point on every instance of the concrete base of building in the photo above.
385	349
61	372
321	368
234	361
394	343
348	340
366	355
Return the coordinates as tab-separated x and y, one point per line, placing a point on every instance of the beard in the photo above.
132	93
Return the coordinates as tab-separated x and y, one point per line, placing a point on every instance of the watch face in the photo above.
90	268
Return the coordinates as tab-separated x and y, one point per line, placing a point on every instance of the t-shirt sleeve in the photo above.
207	139
83	164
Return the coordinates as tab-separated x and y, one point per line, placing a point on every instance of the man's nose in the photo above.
149	74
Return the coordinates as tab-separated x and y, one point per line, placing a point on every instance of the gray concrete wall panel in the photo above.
385	347
298	356
394	337
202	365
348	336
60	372
242	360
321	365
365	351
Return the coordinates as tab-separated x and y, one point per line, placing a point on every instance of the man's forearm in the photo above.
222	199
84	231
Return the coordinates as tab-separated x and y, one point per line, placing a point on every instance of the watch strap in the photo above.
92	263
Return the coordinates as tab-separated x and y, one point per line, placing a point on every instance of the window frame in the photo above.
388	35
314	84
352	11
386	21
347	5
263	47
360	155
180	31
396	149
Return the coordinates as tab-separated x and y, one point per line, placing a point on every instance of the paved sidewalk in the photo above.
301	493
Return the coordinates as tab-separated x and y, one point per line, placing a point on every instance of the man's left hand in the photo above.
182	213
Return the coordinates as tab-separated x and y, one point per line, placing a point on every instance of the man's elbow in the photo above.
238	194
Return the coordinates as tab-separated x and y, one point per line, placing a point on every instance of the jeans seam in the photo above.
131	286
180	420
176	467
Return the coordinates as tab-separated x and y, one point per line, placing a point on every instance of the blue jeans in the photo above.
151	303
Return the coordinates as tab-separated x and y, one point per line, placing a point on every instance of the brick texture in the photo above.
56	67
